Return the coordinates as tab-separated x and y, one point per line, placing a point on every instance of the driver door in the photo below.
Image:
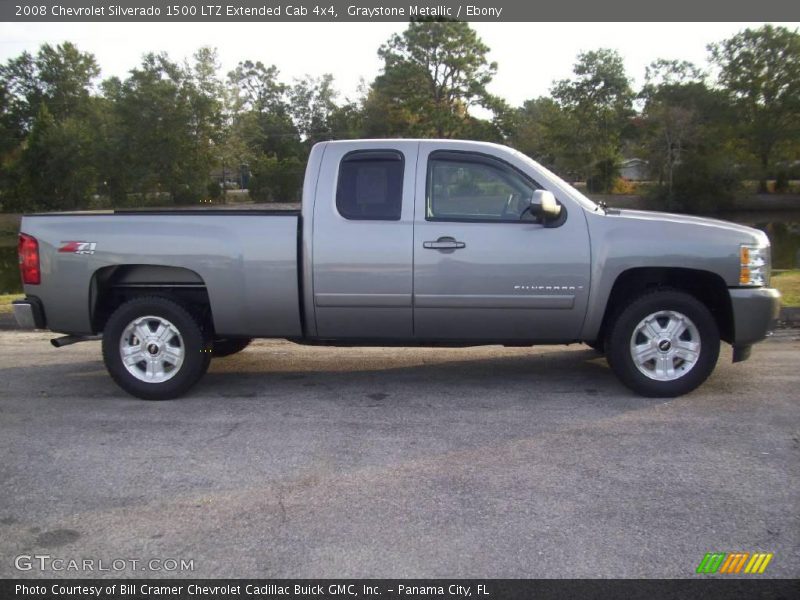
485	269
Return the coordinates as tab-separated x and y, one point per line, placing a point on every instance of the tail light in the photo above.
29	259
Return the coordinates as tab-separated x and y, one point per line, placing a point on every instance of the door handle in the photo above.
444	243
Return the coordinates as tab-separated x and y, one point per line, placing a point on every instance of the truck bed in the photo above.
246	260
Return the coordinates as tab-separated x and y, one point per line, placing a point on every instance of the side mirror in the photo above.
544	205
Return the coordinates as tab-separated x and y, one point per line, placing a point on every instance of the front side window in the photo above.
370	185
476	189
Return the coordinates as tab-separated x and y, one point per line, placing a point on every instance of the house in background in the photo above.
634	169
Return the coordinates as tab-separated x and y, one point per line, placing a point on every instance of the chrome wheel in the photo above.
665	345
152	349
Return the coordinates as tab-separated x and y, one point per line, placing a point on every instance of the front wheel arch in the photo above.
706	286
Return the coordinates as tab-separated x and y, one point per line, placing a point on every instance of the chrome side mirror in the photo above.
544	205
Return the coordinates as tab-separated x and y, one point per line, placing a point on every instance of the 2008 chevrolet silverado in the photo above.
402	242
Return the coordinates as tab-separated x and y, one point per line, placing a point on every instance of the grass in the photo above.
788	282
6	300
9	224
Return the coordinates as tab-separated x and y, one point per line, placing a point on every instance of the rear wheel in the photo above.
663	344
154	348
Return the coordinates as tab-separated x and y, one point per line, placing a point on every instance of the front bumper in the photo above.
29	313
755	313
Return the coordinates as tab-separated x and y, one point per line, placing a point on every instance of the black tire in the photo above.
226	346
618	344
191	338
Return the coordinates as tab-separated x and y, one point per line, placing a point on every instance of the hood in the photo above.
743	233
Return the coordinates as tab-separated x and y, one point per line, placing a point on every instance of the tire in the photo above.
653	343
226	346
174	355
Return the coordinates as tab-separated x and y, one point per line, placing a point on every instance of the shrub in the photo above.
782	181
624	187
213	190
276	180
604	173
701	184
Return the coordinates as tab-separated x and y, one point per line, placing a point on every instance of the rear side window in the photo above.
370	185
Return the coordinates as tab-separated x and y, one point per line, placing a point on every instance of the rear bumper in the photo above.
29	313
755	313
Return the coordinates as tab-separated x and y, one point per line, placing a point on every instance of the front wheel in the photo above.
154	348
663	344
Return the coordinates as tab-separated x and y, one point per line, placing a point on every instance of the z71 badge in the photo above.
78	247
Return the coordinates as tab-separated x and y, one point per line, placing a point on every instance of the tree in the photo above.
671	113
65	76
60	77
433	73
9	138
538	126
597	103
760	72
261	110
347	121
47	142
166	122
58	172
206	94
313	105
257	87
21	94
687	138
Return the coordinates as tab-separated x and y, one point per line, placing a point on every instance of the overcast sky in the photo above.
530	55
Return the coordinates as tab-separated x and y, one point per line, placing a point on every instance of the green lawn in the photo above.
788	282
9	225
6	300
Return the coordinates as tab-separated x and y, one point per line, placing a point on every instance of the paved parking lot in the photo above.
289	461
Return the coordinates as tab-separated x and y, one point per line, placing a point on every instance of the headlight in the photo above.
754	267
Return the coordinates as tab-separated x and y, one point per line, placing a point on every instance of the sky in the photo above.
530	56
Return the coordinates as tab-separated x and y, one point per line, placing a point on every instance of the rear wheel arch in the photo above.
113	286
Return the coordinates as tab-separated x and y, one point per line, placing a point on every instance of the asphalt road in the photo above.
289	461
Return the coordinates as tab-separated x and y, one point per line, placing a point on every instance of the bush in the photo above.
604	173
701	184
189	193
782	182
213	190
624	187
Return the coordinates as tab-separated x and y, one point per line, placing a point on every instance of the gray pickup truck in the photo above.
401	242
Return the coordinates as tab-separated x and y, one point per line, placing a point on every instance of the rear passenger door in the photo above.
363	241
